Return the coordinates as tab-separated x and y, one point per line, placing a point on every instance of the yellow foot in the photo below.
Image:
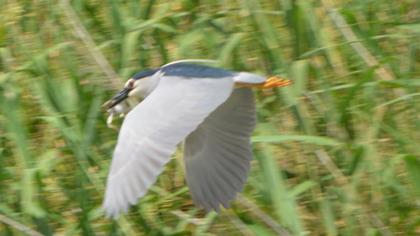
272	82
275	82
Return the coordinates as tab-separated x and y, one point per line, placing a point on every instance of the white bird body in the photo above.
183	102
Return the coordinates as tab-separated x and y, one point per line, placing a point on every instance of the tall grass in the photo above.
335	154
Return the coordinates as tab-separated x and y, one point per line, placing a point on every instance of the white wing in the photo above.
151	132
217	154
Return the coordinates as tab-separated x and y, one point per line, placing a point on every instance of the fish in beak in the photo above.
118	104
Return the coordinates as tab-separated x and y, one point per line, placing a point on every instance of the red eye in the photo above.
130	84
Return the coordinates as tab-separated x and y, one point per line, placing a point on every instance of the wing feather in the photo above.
217	154
151	131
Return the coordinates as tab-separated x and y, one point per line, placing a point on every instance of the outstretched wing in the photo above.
151	131
217	154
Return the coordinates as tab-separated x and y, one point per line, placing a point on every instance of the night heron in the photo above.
211	110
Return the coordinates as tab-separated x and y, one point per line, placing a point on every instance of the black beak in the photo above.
119	97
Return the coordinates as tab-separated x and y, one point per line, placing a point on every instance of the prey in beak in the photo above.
118	104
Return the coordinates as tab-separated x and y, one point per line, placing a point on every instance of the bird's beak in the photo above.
119	97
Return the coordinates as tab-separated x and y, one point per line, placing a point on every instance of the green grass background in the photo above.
337	153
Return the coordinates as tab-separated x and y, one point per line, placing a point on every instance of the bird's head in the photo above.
138	86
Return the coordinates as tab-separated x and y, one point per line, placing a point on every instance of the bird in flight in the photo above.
210	110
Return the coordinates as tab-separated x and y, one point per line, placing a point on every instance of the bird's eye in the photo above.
130	84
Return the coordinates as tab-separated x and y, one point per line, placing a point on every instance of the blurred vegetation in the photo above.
337	153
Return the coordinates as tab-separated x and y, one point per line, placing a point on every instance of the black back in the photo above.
186	70
144	73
